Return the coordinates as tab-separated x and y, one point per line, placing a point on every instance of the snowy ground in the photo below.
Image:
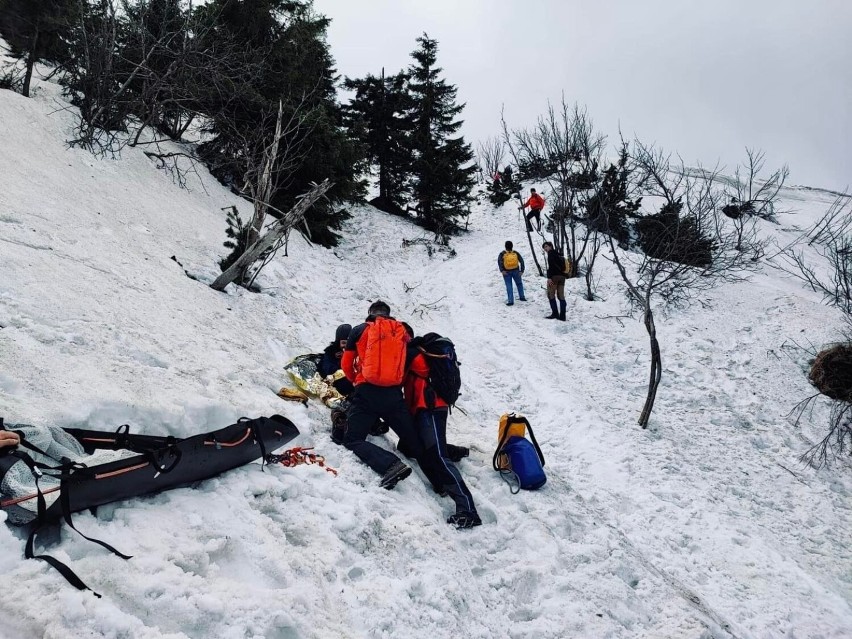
703	526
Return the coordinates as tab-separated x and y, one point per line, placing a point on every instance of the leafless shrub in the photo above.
565	141
490	153
677	269
831	237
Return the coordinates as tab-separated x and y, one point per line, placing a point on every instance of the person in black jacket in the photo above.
555	282
331	356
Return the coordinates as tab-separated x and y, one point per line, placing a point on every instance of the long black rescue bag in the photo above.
152	464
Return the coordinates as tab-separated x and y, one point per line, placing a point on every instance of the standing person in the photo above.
374	361
496	180
536	204
430	412
511	265
555	281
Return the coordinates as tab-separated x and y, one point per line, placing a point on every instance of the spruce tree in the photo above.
443	169
36	31
288	61
377	117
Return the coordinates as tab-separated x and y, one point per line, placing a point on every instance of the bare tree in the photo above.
683	251
837	440
752	194
490	153
565	143
831	238
272	238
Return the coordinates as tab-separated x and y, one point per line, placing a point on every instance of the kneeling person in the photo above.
430	421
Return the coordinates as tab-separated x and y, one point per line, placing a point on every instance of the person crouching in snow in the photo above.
330	362
430	421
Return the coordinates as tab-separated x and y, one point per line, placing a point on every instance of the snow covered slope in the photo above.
703	526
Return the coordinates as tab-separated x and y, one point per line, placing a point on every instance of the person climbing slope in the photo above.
536	204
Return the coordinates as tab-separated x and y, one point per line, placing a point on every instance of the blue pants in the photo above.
431	425
514	274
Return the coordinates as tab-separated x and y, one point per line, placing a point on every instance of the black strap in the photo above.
70	576
25	444
66	469
65	504
535	443
511	419
171	447
258	438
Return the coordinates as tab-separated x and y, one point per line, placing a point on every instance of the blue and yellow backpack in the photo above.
518	457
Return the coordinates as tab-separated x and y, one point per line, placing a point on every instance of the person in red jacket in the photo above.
430	422
536	204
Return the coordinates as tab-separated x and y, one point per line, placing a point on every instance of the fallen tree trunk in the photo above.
278	231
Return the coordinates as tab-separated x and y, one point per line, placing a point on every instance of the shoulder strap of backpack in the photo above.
512	419
535	444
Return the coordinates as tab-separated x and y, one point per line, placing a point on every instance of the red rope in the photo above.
297	456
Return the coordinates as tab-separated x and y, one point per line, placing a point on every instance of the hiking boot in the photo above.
554	314
522	299
464	520
379	428
457	453
394	475
562	307
339	423
510	303
338	433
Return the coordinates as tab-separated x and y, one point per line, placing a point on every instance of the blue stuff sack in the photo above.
525	463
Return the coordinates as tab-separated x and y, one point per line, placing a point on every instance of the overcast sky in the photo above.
703	78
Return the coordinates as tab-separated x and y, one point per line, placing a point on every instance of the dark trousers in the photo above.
367	404
534	213
432	427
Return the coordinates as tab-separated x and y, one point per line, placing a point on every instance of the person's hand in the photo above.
504	272
550	281
8	438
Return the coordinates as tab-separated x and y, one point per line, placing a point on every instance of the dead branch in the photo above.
269	240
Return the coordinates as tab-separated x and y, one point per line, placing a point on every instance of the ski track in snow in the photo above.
705	525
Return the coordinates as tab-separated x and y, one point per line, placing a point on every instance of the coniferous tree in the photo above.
36	31
285	41
443	171
377	116
610	209
160	36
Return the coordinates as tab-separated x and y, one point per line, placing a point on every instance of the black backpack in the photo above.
444	375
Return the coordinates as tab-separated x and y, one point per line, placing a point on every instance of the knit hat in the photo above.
342	332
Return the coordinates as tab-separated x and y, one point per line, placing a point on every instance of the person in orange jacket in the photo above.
536	204
371	401
430	421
